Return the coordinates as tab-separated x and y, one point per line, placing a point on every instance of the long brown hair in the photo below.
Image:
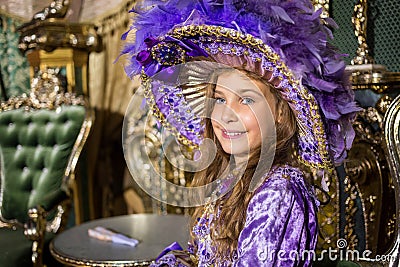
232	216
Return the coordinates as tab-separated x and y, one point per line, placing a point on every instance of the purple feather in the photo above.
329	108
321	84
281	13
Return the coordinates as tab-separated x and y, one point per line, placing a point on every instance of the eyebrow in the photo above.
241	91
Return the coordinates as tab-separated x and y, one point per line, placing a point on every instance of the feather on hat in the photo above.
286	39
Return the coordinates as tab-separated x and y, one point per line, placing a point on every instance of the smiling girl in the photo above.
246	228
278	109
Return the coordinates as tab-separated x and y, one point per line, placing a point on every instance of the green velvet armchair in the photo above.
41	137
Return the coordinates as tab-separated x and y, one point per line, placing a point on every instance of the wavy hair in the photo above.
233	206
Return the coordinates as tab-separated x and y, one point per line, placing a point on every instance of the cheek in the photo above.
251	121
214	112
214	117
214	125
261	120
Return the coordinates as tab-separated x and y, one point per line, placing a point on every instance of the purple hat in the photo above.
283	41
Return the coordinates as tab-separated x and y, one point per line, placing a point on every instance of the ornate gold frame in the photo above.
392	140
79	263
365	74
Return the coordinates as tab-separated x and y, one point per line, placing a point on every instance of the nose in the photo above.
228	114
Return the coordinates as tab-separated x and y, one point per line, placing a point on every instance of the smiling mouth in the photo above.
233	134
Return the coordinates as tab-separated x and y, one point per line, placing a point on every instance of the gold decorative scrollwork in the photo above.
328	217
391	138
351	208
383	104
359	20
364	126
369	179
143	127
324	4
391	225
45	93
56	9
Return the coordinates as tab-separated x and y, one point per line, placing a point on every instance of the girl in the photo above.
281	85
276	224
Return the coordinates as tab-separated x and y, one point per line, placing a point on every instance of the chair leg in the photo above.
37	253
35	230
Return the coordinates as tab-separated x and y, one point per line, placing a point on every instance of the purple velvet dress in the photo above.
280	227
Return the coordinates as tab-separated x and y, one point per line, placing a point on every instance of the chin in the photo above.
235	150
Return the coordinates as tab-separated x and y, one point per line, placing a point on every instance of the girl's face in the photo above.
243	113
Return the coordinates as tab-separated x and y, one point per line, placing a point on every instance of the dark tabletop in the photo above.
154	232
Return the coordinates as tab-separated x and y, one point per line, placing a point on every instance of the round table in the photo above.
74	247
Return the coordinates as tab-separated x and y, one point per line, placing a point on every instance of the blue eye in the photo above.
219	100
247	101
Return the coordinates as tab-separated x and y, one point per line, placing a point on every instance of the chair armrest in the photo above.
38	222
37	226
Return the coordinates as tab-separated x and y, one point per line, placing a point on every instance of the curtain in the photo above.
110	92
14	66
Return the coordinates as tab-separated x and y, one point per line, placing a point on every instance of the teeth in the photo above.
232	133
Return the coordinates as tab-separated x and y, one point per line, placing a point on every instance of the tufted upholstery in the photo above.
41	137
35	147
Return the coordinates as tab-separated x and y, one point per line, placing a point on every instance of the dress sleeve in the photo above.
281	223
175	256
